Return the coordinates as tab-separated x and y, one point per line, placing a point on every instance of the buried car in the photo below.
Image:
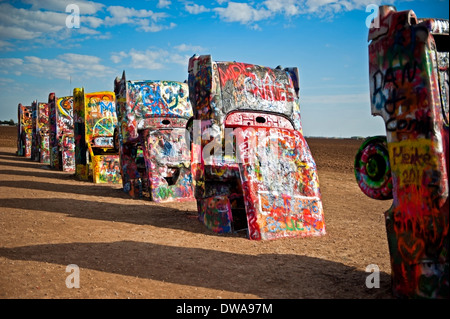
154	155
252	168
408	68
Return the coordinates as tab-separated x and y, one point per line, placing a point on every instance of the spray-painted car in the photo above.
24	130
94	120
154	155
408	67
40	150
61	137
251	166
34	130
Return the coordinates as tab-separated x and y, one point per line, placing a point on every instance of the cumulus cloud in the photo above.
287	7
15	32
25	24
164	3
86	7
118	57
61	67
150	59
249	13
144	20
5	45
195	8
44	21
242	12
189	48
123	15
11	66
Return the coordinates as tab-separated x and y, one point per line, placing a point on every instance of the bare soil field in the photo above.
127	248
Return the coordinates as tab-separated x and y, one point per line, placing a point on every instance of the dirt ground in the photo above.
128	248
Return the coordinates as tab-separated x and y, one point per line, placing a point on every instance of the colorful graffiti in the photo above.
65	135
24	130
34	127
94	123
372	168
61	140
43	137
409	90
40	151
251	167
106	168
53	140
154	155
280	183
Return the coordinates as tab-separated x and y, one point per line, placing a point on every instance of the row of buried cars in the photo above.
231	139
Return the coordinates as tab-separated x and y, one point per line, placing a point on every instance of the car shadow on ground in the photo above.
273	276
150	213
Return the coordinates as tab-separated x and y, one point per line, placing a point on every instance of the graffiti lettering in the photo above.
410	124
107	107
409	153
410	159
251	84
390	81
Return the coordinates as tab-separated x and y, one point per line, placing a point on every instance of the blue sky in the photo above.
153	40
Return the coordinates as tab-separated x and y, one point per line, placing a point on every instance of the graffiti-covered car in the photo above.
252	168
151	136
61	136
40	150
95	119
409	76
24	130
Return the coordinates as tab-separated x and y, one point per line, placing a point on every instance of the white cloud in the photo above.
147	27
86	7
242	12
118	57
163	3
189	48
123	15
195	8
61	67
94	22
10	65
7	32
288	7
4	45
6	81
150	59
26	24
45	21
144	20
249	13
41	26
